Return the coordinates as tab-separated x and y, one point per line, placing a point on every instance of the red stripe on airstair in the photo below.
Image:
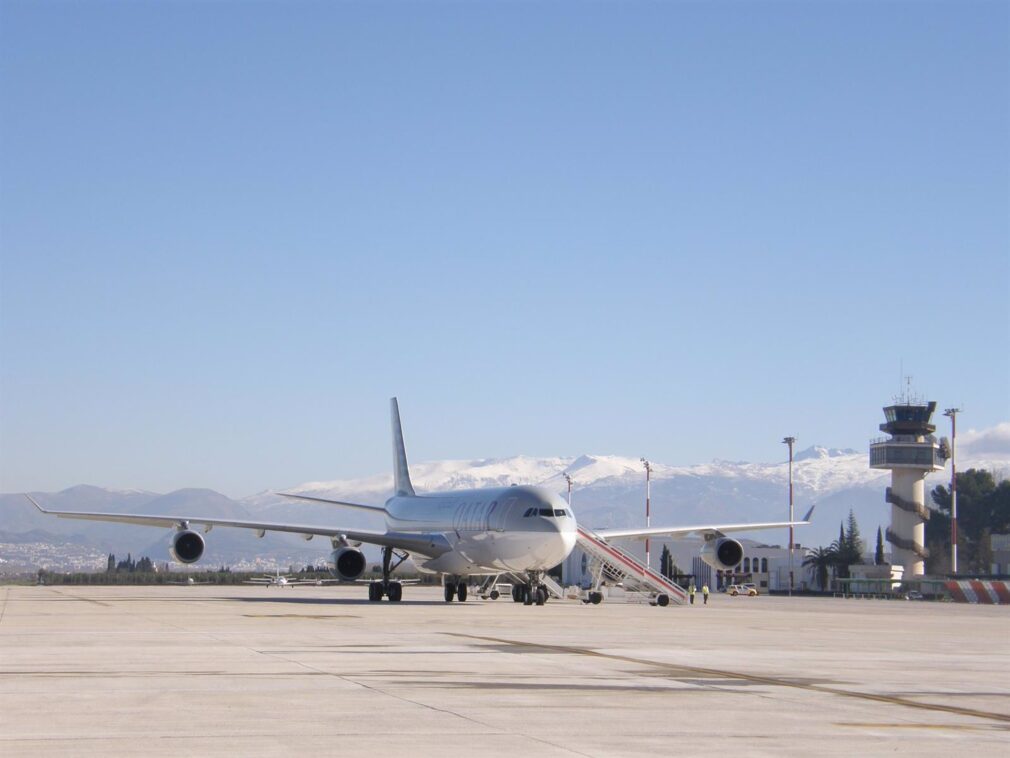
638	568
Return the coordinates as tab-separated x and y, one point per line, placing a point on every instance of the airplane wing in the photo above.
429	544
704	529
343	503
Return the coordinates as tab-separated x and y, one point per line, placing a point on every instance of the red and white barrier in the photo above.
986	592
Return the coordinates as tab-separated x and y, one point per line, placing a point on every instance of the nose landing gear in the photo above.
531	592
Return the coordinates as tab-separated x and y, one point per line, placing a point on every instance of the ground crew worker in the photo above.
704	593
691	592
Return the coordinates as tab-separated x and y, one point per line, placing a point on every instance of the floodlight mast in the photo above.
648	517
951	413
790	441
569	480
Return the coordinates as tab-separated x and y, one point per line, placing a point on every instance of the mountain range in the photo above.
608	491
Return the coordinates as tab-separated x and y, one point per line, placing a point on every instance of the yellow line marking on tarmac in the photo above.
757	678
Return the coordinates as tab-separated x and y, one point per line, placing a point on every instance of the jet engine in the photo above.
187	547
348	563
722	553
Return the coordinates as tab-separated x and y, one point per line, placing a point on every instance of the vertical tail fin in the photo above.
401	474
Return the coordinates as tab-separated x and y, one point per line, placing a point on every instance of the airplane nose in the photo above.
568	539
561	540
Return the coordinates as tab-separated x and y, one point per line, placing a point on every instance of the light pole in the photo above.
648	518
952	414
569	480
790	441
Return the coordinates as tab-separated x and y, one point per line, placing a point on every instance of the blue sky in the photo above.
230	231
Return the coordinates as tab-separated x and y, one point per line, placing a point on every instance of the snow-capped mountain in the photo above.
609	491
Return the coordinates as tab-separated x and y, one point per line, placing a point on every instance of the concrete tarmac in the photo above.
249	671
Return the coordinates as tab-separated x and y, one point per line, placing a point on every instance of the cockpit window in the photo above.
548	512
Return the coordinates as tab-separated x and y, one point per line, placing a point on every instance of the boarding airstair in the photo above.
610	562
555	589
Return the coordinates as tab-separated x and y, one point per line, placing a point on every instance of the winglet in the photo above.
43	510
810	512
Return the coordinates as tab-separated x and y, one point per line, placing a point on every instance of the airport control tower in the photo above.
910	453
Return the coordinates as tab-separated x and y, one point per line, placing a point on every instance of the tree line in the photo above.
983	509
837	558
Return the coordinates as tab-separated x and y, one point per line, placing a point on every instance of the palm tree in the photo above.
821	560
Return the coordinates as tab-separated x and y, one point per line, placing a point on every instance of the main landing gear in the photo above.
392	590
455	589
530	592
386	587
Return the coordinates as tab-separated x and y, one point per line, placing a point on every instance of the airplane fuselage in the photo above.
490	530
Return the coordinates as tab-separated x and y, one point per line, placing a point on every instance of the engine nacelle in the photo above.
348	563
187	547
722	553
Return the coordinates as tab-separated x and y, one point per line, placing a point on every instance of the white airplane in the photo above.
188	582
282	580
517	530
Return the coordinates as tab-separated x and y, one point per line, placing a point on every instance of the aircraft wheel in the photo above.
450	591
374	591
461	592
395	592
494	595
517	593
541	596
663	600
595	598
527	592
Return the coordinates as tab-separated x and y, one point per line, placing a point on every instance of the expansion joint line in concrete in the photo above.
906	544
755	678
402	699
907	505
